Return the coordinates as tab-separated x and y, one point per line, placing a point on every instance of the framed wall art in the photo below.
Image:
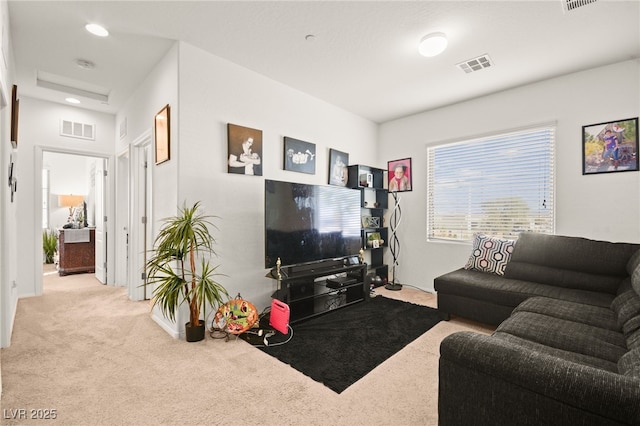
162	128
299	156
245	150
399	175
338	172
370	221
610	147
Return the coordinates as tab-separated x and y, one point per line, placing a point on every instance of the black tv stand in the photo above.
312	289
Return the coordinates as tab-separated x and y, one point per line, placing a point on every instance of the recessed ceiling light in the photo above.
96	29
432	44
310	37
72	100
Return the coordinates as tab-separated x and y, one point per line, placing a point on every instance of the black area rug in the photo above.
342	346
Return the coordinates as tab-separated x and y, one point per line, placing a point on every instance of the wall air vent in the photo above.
475	64
569	5
77	130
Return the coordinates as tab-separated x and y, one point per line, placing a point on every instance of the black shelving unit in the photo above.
316	288
374	201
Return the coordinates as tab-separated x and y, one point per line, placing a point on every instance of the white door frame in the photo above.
121	275
39	151
139	210
101	255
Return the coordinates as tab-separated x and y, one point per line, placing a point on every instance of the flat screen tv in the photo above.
306	223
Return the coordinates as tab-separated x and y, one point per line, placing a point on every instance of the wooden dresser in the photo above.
77	251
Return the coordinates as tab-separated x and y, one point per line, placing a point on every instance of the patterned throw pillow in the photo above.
490	254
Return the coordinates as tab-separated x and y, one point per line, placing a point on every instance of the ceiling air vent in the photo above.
77	130
475	64
569	5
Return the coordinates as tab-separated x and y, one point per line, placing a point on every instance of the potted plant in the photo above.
49	245
179	269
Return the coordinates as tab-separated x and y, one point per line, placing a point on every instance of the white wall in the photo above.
8	210
68	175
214	92
40	131
158	89
604	206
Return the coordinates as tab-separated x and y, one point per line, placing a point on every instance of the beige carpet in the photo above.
96	358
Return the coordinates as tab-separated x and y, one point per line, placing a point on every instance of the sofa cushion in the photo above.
625	286
574	253
631	326
626	306
633	268
558	353
489	254
570	262
596	316
563	277
633	263
633	339
510	292
629	363
566	335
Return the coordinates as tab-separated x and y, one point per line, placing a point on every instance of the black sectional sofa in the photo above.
567	347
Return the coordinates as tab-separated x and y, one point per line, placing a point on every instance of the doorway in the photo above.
82	176
139	230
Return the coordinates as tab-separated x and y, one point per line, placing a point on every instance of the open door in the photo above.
101	219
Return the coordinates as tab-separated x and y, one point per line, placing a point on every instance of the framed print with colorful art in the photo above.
610	147
399	172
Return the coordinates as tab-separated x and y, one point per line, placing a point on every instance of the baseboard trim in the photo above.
161	321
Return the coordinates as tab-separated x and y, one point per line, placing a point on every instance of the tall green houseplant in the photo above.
180	270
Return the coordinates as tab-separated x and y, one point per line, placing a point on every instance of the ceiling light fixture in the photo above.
72	100
432	44
96	29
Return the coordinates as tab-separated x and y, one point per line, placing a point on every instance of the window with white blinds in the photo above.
500	185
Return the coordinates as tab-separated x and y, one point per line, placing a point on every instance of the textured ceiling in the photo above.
363	57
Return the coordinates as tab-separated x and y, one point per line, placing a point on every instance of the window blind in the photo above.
500	185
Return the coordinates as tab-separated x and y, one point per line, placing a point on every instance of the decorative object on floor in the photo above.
172	270
245	150
394	243
338	172
342	346
236	316
279	316
610	147
299	156
162	129
400	175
